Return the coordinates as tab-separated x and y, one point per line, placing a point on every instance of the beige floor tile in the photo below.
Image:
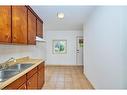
60	79
65	77
68	85
60	85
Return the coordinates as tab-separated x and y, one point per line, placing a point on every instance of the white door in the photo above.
79	50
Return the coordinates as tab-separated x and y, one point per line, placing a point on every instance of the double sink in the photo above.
13	70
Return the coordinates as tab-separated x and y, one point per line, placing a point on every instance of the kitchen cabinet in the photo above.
17	83
34	79
31	73
39	28
23	87
19	24
40	73
32	82
5	24
31	28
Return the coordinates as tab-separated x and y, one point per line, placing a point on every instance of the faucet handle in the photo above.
12	58
15	60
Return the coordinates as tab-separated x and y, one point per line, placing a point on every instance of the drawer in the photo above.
32	82
40	66
17	83
31	73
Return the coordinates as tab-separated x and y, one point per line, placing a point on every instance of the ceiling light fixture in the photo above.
60	15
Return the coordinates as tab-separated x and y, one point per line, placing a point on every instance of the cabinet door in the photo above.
19	24
17	83
32	82
41	74
5	24
23	87
39	28
31	28
40	78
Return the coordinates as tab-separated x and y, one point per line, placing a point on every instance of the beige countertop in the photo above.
35	63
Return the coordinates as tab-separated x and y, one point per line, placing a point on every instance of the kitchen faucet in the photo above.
11	59
5	64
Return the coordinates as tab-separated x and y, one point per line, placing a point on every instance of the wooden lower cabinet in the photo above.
40	76
31	73
32	82
23	87
17	83
34	79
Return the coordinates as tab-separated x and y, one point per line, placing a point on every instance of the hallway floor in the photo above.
65	77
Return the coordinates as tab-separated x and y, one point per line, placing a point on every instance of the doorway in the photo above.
79	50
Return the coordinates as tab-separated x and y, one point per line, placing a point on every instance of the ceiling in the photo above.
74	18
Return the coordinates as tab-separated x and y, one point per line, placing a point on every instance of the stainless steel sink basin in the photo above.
20	67
6	74
13	70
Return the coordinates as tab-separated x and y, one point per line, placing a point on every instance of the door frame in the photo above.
76	50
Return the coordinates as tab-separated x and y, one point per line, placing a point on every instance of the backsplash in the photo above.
17	51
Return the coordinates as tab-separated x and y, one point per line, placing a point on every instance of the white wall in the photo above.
125	49
18	51
62	59
103	49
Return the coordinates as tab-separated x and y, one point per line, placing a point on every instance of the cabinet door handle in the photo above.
7	36
14	37
29	83
25	86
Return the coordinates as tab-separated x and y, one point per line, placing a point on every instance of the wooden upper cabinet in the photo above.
39	28
19	24
31	73
31	28
5	24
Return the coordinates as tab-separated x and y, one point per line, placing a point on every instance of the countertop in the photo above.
35	63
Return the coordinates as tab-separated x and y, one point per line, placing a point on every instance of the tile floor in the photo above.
65	77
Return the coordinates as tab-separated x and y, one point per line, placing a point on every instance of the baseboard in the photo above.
63	65
89	81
